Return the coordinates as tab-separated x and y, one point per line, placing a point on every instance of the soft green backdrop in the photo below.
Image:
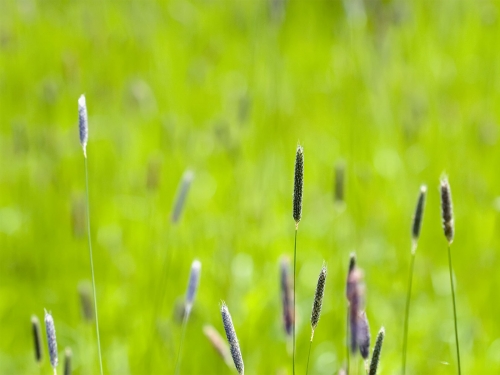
400	91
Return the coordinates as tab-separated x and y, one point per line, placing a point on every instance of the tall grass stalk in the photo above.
83	128
298	188
449	232
416	226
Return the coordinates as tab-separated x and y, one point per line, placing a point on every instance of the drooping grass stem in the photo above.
454	308
407	309
92	264
294	282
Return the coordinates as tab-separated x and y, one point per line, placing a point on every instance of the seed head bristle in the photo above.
180	200
194	280
418	216
232	339
83	125
67	361
298	185
37	338
51	338
318	299
377	349
286	294
355	294
218	343
447	210
363	335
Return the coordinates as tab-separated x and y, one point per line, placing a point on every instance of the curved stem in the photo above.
407	310
294	282
454	308
92	265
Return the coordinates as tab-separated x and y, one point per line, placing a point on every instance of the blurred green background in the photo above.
399	91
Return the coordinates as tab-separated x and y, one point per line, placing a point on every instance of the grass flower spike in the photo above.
51	340
286	295
377	349
83	125
232	339
37	338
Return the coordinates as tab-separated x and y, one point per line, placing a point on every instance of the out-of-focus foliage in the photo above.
397	91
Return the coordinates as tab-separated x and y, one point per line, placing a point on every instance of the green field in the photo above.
400	92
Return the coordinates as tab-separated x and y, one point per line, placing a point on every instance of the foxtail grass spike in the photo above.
218	343
86	302
180	200
419	213
354	292
363	335
37	338
318	299
447	210
298	185
232	339
51	339
68	354
286	295
83	125
194	280
339	182
377	349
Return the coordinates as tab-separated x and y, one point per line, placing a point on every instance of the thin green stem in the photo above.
308	356
407	310
294	282
184	324
348	351
454	307
92	265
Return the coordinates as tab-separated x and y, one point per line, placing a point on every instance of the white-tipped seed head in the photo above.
51	338
194	280
83	125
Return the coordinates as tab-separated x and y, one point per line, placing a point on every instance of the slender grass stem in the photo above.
294	282
184	324
454	308
308	356
347	343
407	310
92	264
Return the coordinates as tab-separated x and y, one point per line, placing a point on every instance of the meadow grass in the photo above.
399	90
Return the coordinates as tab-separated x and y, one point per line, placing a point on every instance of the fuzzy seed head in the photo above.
355	296
419	213
339	182
232	339
377	349
286	294
51	338
194	280
83	125
447	210
37	338
318	299
67	361
363	335
298	185
180	200
86	301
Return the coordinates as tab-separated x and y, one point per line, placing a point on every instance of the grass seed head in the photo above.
447	210
194	280
180	200
318	299
51	338
218	343
419	213
363	335
286	294
68	354
232	339
37	338
339	182
83	125
298	185
377	349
